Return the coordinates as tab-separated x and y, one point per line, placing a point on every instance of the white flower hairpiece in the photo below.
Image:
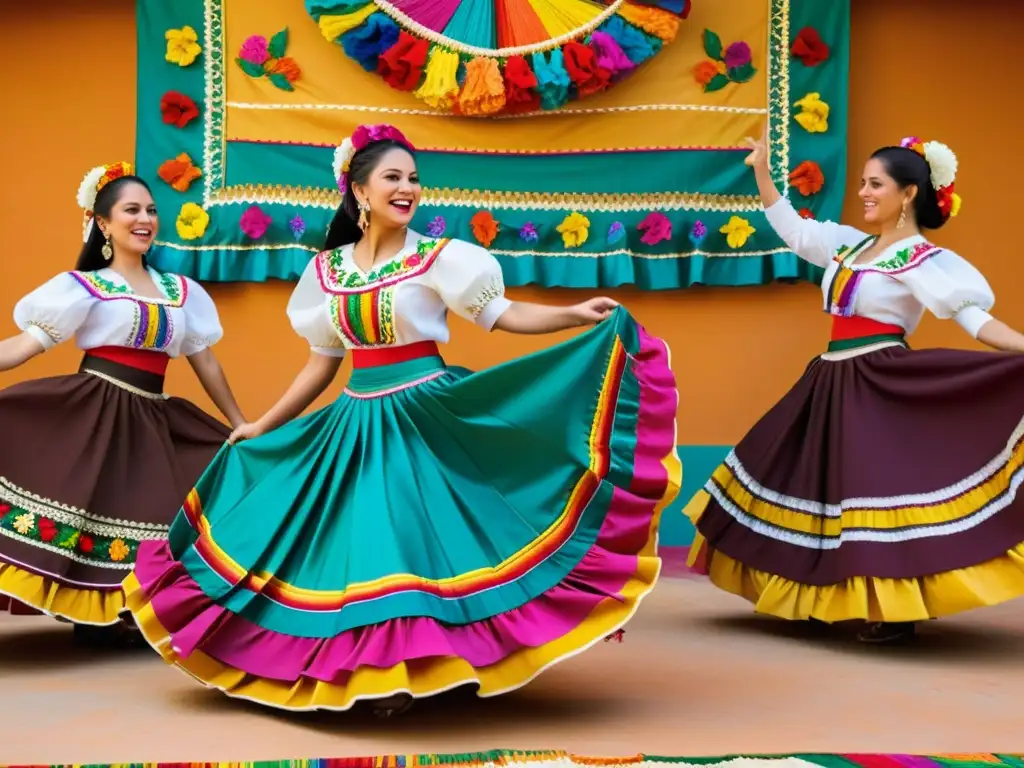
942	162
88	189
342	159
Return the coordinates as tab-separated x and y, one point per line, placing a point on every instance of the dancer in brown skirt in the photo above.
97	461
883	486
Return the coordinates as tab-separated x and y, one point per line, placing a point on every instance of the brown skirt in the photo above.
890	471
93	463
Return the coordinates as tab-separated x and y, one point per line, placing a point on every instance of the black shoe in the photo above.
888	633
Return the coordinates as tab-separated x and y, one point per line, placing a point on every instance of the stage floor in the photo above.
697	674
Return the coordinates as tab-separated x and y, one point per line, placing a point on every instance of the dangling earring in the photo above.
364	215
902	221
107	250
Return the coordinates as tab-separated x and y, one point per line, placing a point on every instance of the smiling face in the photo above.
392	190
883	199
132	223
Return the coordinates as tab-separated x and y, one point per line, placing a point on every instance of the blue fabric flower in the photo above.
367	42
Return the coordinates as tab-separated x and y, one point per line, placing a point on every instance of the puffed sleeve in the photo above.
813	241
54	311
951	288
308	315
202	323
469	281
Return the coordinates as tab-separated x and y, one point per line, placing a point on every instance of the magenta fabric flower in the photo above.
656	228
254	222
255	50
737	55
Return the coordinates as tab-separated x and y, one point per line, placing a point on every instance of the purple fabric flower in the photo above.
528	234
616	232
255	50
610	54
736	55
698	233
254	222
297	226
436	227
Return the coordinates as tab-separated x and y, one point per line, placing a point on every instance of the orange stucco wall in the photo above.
937	68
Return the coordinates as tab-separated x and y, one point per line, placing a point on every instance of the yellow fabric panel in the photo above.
335	94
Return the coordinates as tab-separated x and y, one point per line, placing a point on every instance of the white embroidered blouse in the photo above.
896	286
100	309
337	306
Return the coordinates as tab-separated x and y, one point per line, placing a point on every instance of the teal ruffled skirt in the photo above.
432	528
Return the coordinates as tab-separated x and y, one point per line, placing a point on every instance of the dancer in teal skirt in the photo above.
433	527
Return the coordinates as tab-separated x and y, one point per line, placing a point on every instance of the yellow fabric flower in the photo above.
192	222
813	116
118	550
737	231
24	523
574	228
182	46
957	202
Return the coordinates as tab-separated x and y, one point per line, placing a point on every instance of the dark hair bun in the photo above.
907	167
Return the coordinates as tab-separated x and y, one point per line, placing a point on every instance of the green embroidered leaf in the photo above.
712	45
281	82
742	73
717	83
252	70
278	44
69	539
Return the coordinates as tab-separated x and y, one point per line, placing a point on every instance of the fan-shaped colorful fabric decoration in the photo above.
481	58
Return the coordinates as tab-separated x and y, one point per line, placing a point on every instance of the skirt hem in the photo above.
98	607
863	598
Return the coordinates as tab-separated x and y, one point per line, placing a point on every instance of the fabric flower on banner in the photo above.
192	222
485	227
807	178
656	228
298	226
528	233
259	57
574	229
806	213
813	114
436	227
809	47
255	50
402	65
254	222
733	64
698	233
616	233
182	46
177	109
179	173
737	231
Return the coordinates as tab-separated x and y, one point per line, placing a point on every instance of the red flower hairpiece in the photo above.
361	138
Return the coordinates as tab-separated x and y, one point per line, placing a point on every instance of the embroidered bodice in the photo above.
337	306
897	285
100	309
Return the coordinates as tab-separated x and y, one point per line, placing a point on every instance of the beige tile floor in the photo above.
696	675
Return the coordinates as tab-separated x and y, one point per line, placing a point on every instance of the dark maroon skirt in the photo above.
90	468
894	464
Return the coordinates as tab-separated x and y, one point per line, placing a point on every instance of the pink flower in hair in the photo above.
368	134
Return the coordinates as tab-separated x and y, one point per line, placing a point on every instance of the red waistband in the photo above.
143	359
844	328
372	358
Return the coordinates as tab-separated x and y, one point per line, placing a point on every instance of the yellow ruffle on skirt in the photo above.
76	604
861	598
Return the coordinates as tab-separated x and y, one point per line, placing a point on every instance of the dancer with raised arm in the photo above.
96	462
433	527
883	486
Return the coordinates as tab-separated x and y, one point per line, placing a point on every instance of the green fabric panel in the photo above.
225	254
710	172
